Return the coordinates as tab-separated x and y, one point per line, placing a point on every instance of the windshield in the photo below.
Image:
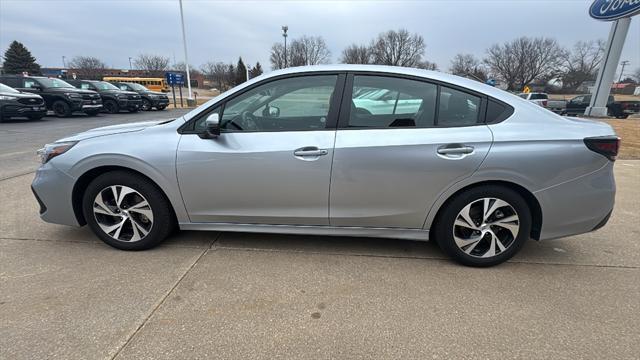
137	87
54	83
103	85
5	89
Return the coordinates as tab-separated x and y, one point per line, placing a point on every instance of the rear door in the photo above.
394	157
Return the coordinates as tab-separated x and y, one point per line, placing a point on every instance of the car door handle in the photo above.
457	150
310	151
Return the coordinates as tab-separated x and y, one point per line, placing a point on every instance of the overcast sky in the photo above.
223	30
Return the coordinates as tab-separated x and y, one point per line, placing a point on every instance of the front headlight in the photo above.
7	97
121	96
50	151
73	95
153	96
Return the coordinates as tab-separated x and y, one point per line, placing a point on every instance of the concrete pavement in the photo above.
64	294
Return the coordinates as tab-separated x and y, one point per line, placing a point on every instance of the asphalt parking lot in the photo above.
64	294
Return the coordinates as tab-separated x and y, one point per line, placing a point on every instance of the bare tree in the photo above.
636	75
308	50
356	54
151	62
469	66
277	56
581	64
427	65
399	48
87	67
523	60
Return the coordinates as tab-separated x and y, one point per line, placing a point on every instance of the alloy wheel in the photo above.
486	227
123	213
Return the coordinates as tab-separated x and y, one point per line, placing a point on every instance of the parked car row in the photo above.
578	104
33	96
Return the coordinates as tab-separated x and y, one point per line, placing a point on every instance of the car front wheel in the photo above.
127	211
484	226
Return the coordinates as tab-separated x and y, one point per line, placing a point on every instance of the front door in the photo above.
271	163
400	144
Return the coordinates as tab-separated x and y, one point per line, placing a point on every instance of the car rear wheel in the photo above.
146	105
127	211
484	226
61	109
111	107
161	107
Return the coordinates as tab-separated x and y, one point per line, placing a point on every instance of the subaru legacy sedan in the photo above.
349	150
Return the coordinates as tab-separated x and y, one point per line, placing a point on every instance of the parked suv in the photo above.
113	98
58	95
13	103
618	109
150	99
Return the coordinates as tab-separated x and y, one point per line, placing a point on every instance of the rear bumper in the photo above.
578	206
53	191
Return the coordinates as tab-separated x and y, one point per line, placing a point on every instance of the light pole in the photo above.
624	63
186	58
284	35
130	67
64	64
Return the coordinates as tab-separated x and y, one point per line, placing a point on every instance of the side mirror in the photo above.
212	127
271	111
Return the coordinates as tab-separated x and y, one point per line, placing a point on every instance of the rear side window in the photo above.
457	108
379	102
539	97
497	112
13	82
30	83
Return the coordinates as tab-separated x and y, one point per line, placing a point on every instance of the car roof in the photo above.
392	70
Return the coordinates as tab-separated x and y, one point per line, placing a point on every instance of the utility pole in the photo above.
186	58
624	63
284	35
130	67
64	64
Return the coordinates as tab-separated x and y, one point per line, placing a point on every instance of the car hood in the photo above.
113	129
21	95
153	93
119	92
70	90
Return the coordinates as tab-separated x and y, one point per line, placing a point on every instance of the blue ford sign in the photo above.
614	9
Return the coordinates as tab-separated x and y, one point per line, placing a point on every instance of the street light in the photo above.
64	64
284	35
186	58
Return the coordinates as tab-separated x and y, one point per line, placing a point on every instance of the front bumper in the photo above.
53	190
160	102
20	110
578	206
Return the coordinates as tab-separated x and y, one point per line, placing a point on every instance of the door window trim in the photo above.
345	109
332	116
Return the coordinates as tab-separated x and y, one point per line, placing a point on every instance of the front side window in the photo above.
54	83
457	108
379	102
292	104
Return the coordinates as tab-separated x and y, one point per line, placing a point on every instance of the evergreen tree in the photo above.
18	59
256	70
241	72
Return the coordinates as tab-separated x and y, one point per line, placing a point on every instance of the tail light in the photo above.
607	146
544	103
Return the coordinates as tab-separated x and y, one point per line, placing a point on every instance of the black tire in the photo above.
161	107
146	105
35	117
444	226
92	113
133	110
163	222
622	116
61	108
111	107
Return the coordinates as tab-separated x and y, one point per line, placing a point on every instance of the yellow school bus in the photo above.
155	84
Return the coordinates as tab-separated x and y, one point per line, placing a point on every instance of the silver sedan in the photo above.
341	150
